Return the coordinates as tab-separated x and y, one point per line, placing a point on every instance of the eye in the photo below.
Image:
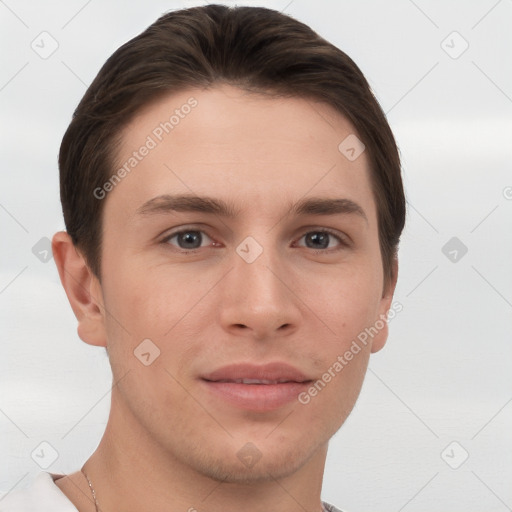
322	239
188	239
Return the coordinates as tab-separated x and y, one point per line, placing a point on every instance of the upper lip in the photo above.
274	372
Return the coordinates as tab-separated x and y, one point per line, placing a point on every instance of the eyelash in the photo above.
342	242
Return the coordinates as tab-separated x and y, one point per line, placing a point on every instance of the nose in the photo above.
258	299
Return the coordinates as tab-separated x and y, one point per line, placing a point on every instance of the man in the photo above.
233	204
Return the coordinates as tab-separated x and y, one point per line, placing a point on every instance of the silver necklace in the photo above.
92	490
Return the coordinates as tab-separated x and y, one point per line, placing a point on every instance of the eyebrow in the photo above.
327	206
187	203
191	203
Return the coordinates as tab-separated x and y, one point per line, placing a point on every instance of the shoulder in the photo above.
330	508
42	495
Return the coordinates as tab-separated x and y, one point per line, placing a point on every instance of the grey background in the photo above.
445	373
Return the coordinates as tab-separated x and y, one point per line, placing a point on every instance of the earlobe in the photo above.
82	289
385	304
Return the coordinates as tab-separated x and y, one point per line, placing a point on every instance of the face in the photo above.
242	245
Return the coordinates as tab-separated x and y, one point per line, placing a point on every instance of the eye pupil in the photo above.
318	240
190	239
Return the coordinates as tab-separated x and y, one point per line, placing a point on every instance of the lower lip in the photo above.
257	397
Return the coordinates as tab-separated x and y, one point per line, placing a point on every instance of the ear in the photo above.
385	304
82	288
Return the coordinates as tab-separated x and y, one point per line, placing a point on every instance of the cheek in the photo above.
165	307
133	309
349	305
349	302
143	297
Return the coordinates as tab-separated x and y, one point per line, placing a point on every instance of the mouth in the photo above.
259	388
255	381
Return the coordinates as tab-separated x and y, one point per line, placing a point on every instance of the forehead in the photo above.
262	151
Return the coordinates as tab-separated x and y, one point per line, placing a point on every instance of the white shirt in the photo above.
44	496
41	496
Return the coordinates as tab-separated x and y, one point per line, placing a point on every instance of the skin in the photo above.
169	445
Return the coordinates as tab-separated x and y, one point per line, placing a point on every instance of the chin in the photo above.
249	464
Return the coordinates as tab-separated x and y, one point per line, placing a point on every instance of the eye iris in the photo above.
189	239
317	240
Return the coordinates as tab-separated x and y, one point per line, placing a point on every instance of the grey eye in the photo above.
321	240
189	239
317	240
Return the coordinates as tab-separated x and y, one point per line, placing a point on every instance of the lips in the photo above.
255	381
257	388
270	373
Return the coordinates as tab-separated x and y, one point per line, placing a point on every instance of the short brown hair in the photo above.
253	48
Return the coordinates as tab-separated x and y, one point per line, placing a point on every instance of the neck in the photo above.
131	472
